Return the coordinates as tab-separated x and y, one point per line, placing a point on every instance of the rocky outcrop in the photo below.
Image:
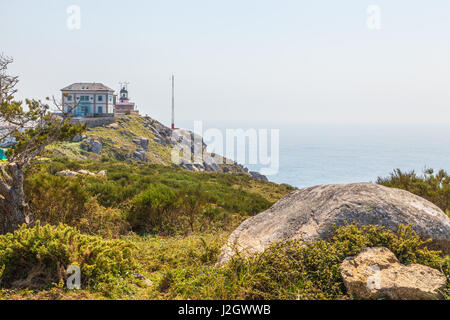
122	148
310	214
163	134
258	176
139	155
92	145
376	273
142	142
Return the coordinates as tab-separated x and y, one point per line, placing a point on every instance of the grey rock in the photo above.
139	155
103	173
310	214
77	138
92	145
142	142
96	147
66	173
189	166
86	172
258	176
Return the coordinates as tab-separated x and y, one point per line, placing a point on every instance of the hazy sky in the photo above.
297	61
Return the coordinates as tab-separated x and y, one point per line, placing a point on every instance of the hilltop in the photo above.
135	138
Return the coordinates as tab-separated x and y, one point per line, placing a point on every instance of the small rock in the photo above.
376	273
96	147
86	172
92	145
114	126
103	173
66	173
77	138
144	280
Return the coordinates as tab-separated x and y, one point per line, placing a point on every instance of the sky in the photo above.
292	61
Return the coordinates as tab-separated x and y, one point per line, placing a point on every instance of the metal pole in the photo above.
173	102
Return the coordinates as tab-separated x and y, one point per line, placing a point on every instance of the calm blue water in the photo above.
322	154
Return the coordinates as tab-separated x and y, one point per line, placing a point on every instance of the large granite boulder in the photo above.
376	273
310	214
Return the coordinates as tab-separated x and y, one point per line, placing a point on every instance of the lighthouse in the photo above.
124	105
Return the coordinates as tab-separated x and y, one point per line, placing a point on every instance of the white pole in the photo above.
173	102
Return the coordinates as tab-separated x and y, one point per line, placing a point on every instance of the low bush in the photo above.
435	187
144	199
38	257
295	270
55	200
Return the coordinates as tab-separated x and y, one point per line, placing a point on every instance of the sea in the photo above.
317	154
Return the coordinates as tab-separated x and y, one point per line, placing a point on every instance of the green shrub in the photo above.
153	210
295	270
435	187
55	200
38	257
291	270
198	201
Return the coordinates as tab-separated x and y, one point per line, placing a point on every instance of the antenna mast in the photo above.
173	102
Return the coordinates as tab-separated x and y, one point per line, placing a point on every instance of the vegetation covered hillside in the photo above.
155	232
135	138
156	199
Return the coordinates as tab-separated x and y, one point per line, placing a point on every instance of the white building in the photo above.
88	100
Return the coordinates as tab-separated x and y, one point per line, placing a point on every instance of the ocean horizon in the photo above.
314	154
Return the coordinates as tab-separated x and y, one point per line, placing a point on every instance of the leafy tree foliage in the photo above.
33	127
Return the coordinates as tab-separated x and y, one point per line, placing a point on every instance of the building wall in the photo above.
88	102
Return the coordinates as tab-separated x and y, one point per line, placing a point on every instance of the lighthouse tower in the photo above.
125	106
123	94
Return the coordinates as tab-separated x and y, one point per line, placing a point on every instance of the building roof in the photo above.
85	86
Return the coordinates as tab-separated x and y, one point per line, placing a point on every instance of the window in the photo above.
99	109
69	98
100	98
